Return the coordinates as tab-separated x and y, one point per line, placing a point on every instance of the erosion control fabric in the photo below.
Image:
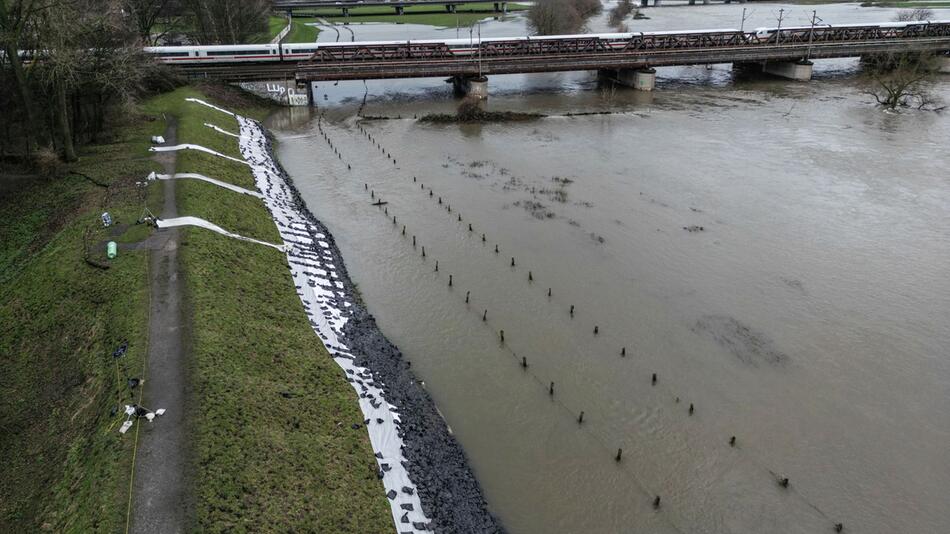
324	300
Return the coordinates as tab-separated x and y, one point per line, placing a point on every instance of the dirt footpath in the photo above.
160	503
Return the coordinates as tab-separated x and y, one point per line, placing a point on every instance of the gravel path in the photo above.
160	501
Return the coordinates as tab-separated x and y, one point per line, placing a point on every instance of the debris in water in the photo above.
750	346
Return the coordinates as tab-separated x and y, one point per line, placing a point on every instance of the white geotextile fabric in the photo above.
219	130
196	176
197	221
317	282
189	146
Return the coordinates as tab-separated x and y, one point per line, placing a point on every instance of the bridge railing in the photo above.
638	42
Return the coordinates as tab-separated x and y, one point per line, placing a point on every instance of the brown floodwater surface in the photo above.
777	253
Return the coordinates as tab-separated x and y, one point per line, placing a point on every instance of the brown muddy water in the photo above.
810	317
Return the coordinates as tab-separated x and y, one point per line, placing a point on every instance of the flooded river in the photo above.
777	253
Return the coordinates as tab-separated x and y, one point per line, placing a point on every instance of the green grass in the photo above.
466	15
264	463
261	462
299	33
65	466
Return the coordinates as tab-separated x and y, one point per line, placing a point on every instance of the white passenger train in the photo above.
457	47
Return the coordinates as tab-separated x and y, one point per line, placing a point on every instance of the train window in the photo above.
172	54
234	52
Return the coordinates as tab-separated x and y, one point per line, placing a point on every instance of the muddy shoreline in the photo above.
451	496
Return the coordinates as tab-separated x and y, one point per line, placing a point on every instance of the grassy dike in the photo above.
65	466
260	462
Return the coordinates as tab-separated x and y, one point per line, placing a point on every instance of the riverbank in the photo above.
273	443
412	440
257	459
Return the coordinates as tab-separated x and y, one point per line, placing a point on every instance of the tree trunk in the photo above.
62	119
23	88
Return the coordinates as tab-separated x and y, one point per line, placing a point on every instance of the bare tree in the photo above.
620	12
227	21
899	81
17	18
146	15
910	15
553	17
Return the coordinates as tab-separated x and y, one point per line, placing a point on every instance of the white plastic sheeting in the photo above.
189	146
219	130
212	106
321	292
203	178
197	221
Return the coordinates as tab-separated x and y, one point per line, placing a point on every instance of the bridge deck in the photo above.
402	59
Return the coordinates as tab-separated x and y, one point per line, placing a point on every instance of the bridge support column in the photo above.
346	12
639	79
471	86
450	8
400	10
793	70
943	63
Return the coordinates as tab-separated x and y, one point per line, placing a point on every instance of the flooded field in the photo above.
776	253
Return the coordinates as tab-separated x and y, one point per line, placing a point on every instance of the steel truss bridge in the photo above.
406	59
289	6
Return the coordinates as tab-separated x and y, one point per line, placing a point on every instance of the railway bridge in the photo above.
292	7
628	58
297	7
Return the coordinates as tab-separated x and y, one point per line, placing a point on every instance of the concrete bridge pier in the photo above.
639	79
471	86
346	12
943	63
501	7
793	70
400	10
450	8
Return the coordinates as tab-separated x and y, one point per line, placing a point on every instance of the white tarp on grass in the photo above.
189	146
203	178
219	130
197	221
319	288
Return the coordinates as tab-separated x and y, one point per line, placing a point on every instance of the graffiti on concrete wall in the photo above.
283	92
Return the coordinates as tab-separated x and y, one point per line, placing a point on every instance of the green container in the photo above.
111	250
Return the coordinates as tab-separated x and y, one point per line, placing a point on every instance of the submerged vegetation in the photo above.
470	112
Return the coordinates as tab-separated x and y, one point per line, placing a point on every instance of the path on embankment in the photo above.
159	498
